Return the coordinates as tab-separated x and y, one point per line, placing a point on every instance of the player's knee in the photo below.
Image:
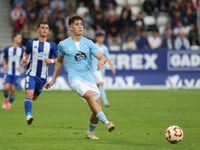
29	95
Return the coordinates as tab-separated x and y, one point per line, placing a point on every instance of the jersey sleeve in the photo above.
5	53
55	51
60	49
106	53
94	48
28	47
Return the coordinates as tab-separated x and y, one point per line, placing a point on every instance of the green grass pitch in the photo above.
141	117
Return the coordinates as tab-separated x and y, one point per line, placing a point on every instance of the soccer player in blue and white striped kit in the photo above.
41	51
12	65
76	51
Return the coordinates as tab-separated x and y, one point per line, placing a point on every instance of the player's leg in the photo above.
7	82
14	83
6	93
93	123
91	96
99	81
103	94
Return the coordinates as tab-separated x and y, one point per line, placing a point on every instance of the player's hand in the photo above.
25	60
5	67
19	68
100	65
48	84
113	70
47	60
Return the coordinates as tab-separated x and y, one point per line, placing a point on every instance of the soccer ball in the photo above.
174	134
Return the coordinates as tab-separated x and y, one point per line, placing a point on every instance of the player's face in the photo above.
43	30
100	39
18	39
77	27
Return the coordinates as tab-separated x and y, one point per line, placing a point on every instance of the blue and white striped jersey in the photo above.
38	51
13	57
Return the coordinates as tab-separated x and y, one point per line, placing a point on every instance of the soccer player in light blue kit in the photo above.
41	51
12	65
99	74
76	51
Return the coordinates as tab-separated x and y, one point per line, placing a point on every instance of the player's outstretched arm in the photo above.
57	69
111	65
102	60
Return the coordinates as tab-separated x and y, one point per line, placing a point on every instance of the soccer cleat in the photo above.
90	135
8	106
5	102
29	119
110	126
106	104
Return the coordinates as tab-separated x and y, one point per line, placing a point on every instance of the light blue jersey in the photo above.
77	56
105	52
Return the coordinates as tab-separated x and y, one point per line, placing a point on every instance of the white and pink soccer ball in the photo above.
174	134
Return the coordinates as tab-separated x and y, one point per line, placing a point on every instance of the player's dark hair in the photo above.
14	35
43	22
99	34
73	18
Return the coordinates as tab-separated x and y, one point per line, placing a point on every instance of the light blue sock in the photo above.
28	106
12	98
103	94
91	127
5	94
101	117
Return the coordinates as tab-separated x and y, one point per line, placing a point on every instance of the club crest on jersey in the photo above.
46	47
85	45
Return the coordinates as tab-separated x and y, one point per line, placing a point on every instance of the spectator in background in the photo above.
107	2
96	10
197	7
19	24
33	31
139	22
114	37
183	3
99	28
190	13
30	5
42	3
17	12
32	17
179	29
89	32
99	20
142	42
60	33
148	7
176	7
55	3
87	20
193	35
46	13
58	9
177	18
168	29
161	6
25	34
128	10
154	41
129	44
60	18
110	12
181	43
125	31
168	41
124	19
20	2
